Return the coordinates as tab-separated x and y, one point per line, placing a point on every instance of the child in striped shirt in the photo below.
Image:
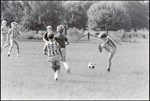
13	36
54	55
109	46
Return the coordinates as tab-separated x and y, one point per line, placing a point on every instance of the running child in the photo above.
54	55
109	46
45	39
63	41
4	31
13	36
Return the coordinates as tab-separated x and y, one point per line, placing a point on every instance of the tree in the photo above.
42	14
139	14
106	15
11	11
76	14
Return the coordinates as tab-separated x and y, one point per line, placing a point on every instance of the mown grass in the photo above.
31	77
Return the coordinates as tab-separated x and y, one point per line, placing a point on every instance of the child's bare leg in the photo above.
2	42
45	49
109	61
16	43
6	45
11	46
57	68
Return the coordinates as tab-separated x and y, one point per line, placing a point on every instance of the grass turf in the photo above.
31	77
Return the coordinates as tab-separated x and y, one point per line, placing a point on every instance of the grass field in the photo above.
30	76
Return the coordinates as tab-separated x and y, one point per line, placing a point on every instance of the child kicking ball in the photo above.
109	46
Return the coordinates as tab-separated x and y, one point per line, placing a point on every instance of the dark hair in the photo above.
50	36
104	35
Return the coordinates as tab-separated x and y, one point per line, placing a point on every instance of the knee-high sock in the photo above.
66	65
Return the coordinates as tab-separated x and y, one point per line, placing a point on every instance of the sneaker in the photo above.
108	69
68	71
100	48
45	53
8	54
18	55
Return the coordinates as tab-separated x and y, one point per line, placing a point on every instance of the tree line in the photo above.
96	15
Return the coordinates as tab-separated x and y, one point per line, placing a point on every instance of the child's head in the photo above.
4	22
102	35
50	36
60	28
49	28
13	24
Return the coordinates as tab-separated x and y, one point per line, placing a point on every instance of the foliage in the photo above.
97	15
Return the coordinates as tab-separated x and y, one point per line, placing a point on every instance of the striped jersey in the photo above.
13	33
110	42
53	48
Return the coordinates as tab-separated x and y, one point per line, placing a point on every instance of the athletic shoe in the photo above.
8	54
68	71
45	53
100	48
108	69
18	55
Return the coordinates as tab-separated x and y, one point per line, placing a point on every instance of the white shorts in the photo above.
55	60
109	49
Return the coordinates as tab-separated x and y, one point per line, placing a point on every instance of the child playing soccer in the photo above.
54	55
13	36
109	47
45	39
3	33
61	39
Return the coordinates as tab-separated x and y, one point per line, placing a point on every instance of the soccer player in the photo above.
45	39
61	39
3	33
109	46
54	55
13	36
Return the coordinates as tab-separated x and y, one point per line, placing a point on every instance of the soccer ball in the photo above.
91	65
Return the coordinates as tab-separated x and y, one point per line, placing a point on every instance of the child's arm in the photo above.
19	35
66	39
44	38
67	42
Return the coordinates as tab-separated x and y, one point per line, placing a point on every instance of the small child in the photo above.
61	39
13	36
54	55
109	47
3	33
45	39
